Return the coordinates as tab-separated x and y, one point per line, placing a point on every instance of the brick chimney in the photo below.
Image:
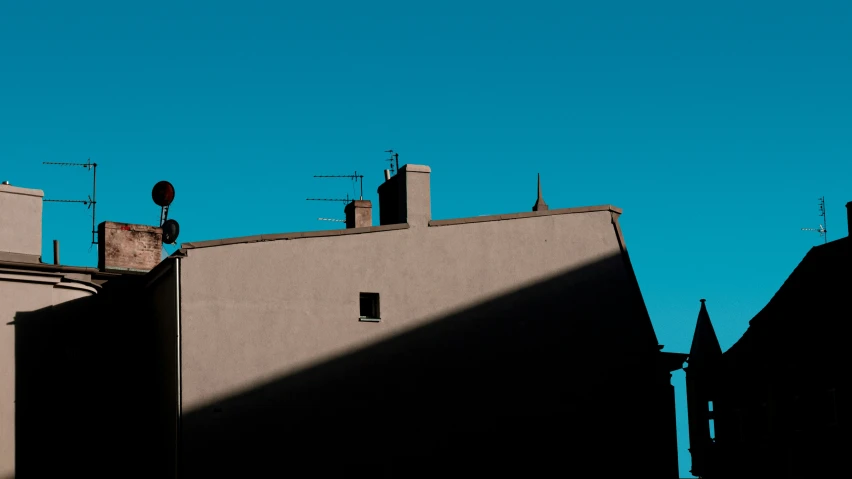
20	223
359	214
405	197
128	247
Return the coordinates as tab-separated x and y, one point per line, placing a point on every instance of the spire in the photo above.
705	346
539	205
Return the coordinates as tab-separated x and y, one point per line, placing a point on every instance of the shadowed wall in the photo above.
519	345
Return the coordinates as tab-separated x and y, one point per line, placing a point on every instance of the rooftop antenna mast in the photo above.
356	178
91	201
393	159
823	231
344	200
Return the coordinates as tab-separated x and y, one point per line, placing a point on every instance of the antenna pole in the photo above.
390	160
356	177
91	200
94	197
396	156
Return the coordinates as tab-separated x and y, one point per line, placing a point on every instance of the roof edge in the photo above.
290	236
56	268
17	190
530	214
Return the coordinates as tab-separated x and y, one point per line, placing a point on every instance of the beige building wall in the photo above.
257	311
20	218
22	290
495	334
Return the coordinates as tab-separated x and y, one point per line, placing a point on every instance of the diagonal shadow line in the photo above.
560	376
522	383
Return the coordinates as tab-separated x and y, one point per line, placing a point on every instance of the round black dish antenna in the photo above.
163	193
171	229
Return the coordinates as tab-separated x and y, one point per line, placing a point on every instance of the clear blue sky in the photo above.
716	126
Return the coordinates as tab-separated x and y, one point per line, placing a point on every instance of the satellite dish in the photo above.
163	193
171	229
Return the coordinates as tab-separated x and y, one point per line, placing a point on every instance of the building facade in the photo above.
505	344
26	284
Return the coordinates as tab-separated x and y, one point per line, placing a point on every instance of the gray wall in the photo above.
24	291
256	311
490	331
20	215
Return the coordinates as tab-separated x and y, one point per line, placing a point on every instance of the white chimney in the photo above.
20	217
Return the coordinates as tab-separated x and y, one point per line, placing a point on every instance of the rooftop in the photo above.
374	229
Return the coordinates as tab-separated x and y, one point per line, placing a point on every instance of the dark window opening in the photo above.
370	307
712	417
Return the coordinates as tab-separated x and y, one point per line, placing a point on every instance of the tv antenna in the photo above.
354	177
345	200
393	159
90	202
823	232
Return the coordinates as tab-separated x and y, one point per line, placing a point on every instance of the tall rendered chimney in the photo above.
20	223
405	197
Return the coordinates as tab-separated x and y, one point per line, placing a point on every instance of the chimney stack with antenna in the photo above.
405	197
359	214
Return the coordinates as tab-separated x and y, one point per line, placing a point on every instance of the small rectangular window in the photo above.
713	430
370	307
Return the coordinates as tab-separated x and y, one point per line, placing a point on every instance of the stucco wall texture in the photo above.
257	311
491	329
22	291
20	217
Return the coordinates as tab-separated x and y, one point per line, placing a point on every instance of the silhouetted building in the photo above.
776	404
508	344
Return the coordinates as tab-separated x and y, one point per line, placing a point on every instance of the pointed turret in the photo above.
705	345
704	359
539	205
